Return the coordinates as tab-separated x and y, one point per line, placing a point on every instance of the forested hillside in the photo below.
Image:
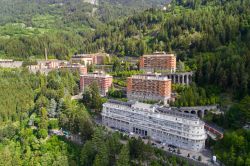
28	26
67	10
36	100
213	36
17	96
35	105
186	28
137	3
22	93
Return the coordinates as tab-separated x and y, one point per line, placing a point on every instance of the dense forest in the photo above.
30	106
71	11
185	29
212	37
61	26
44	104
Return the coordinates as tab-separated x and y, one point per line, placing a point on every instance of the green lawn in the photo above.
44	21
19	29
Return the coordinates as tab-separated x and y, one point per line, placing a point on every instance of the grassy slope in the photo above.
41	17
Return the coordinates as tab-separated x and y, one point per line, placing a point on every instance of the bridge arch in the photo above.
193	112
176	79
200	113
185	79
205	112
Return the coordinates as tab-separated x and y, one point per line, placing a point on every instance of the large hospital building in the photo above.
159	123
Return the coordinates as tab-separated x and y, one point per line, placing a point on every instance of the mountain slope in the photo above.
213	37
23	10
137	3
203	28
28	26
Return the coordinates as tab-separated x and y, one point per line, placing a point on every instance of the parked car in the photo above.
159	142
172	146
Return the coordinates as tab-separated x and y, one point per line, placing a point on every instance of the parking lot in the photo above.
205	155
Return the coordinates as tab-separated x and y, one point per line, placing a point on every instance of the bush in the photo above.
116	93
53	124
43	133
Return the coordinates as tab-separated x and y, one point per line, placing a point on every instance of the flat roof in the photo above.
89	55
72	66
159	55
129	103
96	75
170	111
151	77
51	60
156	108
6	60
142	105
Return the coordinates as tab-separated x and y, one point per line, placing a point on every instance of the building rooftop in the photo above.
81	56
155	108
103	75
158	77
160	54
172	112
51	60
74	65
6	60
145	106
89	55
129	103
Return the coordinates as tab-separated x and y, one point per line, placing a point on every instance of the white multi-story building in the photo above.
159	123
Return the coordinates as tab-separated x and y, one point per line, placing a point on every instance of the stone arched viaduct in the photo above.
184	78
198	110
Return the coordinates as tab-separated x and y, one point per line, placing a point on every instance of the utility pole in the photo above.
46	54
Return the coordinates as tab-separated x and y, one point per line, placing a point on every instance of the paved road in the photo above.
205	154
77	97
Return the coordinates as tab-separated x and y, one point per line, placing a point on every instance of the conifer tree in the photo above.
123	157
